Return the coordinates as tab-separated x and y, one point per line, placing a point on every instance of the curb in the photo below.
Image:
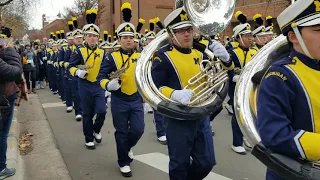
14	159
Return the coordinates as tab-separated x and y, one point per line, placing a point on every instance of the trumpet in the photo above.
85	67
118	73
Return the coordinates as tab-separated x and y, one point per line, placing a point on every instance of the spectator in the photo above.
10	71
30	67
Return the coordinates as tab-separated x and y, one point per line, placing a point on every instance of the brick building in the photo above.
111	16
147	9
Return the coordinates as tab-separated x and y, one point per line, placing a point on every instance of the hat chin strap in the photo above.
240	35
259	40
175	38
301	42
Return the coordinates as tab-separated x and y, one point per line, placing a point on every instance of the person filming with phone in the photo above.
10	73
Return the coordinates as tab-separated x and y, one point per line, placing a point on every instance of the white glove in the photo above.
107	93
44	58
182	96
235	78
81	73
113	85
220	51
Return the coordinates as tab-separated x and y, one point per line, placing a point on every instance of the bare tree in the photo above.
15	13
80	6
4	3
79	10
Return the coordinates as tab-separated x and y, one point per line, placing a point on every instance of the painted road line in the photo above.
161	161
51	105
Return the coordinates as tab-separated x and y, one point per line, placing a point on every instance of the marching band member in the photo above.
230	46
78	40
137	35
233	42
53	68
159	121
85	63
288	99
67	77
173	65
240	55
49	63
151	35
269	29
259	33
105	45
126	102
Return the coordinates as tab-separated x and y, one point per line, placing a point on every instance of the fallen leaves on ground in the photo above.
25	142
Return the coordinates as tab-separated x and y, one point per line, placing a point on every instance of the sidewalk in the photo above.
44	161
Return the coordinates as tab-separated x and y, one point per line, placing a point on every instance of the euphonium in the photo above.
245	105
246	91
210	17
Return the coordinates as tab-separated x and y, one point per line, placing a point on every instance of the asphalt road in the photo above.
151	160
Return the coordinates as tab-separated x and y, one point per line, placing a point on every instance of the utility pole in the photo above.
138	9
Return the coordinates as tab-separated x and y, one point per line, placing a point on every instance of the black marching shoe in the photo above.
126	171
97	137
79	117
90	145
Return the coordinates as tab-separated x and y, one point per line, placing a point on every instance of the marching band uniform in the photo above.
77	34
288	100
67	77
61	43
181	64
91	94
159	121
53	68
137	35
269	29
258	33
49	63
240	56
126	102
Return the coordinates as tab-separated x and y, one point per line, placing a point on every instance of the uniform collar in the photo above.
126	52
182	50
312	63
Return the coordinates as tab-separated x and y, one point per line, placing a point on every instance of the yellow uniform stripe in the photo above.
185	65
94	61
310	144
166	91
73	71
66	64
308	77
60	63
103	83
227	68
128	82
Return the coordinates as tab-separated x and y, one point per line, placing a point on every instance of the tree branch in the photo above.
6	3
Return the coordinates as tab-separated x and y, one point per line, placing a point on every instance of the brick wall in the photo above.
265	9
112	17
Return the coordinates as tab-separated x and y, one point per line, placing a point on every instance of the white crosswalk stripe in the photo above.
161	162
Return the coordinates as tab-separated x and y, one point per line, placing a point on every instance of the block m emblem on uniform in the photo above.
127	28
184	17
317	4
196	60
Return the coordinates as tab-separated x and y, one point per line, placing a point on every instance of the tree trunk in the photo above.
5	3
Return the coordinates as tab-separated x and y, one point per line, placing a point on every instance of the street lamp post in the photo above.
138	9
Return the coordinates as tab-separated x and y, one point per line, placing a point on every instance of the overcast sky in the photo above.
49	7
